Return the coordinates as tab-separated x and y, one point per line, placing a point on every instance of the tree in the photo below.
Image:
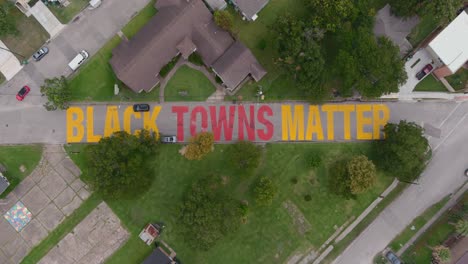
224	20
245	156
462	227
338	179
443	10
404	152
208	214
58	93
406	8
265	191
199	146
120	166
7	20
330	14
347	71
362	174
441	254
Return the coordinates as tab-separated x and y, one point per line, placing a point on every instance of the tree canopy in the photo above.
120	166
330	14
208	214
405	150
7	20
362	174
265	191
199	146
58	93
443	11
224	20
245	156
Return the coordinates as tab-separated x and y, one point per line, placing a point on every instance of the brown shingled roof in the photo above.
186	47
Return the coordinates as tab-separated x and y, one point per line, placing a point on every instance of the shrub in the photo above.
245	156
200	145
262	44
168	67
307	197
294	180
315	159
265	191
441	254
224	20
362	174
196	59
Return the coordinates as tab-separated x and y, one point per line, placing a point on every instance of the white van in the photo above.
78	60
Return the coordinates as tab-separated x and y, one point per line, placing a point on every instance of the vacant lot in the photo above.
188	84
65	14
12	157
30	38
271	234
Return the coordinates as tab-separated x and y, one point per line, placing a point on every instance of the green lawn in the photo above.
459	80
62	230
269	236
95	80
30	38
12	157
188	84
66	14
426	25
139	20
419	222
430	84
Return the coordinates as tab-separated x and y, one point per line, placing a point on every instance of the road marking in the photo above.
451	131
449	115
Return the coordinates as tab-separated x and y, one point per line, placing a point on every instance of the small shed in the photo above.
216	5
150	233
4	183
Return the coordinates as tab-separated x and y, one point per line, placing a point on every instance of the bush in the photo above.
224	20
245	156
307	197
168	67
315	159
441	254
200	145
265	191
362	174
294	180
196	59
218	80
339	180
262	44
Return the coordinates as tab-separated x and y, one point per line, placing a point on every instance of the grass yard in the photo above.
66	14
459	80
30	38
12	157
430	84
139	20
188	84
270	234
426	25
95	80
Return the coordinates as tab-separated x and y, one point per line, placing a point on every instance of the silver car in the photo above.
169	139
40	53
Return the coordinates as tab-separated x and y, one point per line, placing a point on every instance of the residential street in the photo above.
443	176
89	32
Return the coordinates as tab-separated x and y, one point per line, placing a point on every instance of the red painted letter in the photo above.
193	119
249	124
267	133
218	124
180	110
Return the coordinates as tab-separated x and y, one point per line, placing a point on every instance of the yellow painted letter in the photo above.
380	120
128	119
347	110
292	126
330	109
314	125
90	126
112	121
73	123
149	121
362	121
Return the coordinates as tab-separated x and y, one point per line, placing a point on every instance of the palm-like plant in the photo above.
462	227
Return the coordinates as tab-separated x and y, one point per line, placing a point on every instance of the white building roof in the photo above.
451	45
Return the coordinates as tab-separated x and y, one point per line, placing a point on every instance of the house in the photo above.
159	256
450	47
181	27
150	233
249	8
4	183
216	5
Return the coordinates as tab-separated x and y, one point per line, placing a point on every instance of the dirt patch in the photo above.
301	223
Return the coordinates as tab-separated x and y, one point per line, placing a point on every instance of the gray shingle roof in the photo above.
250	7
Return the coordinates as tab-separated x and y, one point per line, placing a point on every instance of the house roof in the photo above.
216	4
236	64
3	183
451	45
250	7
186	47
158	256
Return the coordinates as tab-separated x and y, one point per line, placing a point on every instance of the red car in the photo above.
22	93
427	69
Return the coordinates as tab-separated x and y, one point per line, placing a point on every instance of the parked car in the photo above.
141	108
78	60
40	53
393	258
427	69
169	139
22	93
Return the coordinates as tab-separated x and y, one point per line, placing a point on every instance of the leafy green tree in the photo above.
265	191
404	152
224	20
406	8
330	14
462	227
58	93
245	156
362	174
441	254
121	166
7	20
208	214
443	10
338	180
199	146
348	72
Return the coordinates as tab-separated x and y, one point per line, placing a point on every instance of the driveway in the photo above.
412	67
48	21
9	64
91	30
